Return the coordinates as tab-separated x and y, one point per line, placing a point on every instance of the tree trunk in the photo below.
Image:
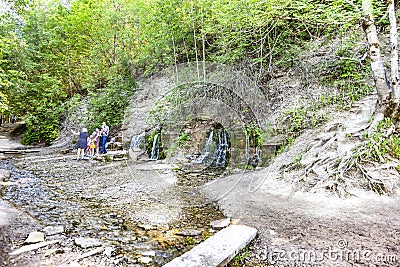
394	54
377	66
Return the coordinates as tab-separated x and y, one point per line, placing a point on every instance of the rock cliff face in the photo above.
176	97
235	98
218	93
181	100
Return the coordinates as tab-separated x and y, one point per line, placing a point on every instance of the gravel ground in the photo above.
126	207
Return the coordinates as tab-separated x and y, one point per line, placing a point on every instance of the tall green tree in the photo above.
52	51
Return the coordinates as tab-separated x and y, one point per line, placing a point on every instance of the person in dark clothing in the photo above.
104	134
1	119
82	143
12	118
253	161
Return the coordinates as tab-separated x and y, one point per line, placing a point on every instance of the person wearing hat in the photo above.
82	143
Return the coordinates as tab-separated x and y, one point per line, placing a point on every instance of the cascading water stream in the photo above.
137	140
215	151
206	149
222	150
247	152
155	150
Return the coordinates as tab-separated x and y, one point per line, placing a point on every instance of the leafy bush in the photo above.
183	139
382	144
109	104
42	127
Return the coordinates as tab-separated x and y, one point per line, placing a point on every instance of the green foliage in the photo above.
297	159
189	240
42	127
42	102
346	64
255	135
3	103
110	103
299	119
240	258
94	48
382	144
230	32
182	140
285	146
48	55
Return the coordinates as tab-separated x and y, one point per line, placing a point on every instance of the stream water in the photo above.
155	150
92	199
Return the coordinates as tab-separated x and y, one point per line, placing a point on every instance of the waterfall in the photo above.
246	154
215	151
137	140
222	149
155	149
206	149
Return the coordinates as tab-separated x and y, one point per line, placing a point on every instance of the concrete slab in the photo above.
217	250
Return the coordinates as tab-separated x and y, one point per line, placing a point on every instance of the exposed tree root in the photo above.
341	161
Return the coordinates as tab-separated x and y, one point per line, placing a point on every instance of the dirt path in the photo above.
6	142
358	231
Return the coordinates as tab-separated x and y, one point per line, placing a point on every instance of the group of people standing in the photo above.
96	141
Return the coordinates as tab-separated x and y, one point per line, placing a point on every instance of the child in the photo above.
97	137
91	146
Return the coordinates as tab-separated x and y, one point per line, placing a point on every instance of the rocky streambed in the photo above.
100	213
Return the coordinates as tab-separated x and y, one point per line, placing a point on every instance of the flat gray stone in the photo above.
146	227
53	230
84	242
145	260
217	250
31	247
4	175
151	253
109	251
34	237
189	232
220	224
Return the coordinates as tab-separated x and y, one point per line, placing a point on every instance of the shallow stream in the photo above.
106	202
